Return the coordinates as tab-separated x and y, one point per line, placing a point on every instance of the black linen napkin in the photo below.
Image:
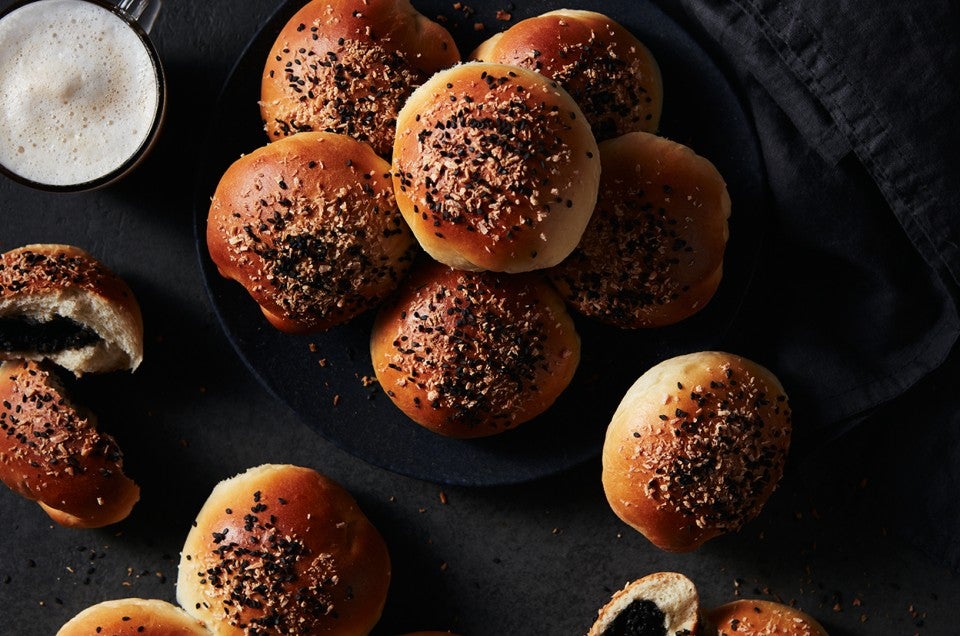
857	110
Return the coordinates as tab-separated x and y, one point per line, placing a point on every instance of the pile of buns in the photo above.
398	178
471	204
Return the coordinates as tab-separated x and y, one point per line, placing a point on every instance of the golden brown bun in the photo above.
763	618
309	226
55	284
652	254
661	603
695	448
133	617
608	71
495	168
53	454
281	550
471	354
347	66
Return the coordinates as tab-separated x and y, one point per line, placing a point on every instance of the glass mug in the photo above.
82	91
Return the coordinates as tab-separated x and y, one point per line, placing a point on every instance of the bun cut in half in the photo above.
59	303
652	254
281	549
472	354
133	617
608	71
495	168
660	604
347	66
52	453
310	227
695	448
762	618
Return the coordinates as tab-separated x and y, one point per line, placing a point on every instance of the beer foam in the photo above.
79	92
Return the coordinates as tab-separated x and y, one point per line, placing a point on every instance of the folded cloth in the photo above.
855	105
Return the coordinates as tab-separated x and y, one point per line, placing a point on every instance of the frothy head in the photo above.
79	92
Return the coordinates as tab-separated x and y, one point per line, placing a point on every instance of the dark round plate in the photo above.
323	377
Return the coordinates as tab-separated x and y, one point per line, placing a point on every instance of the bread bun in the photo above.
665	604
495	168
59	303
652	254
310	227
52	453
471	354
695	448
762	618
608	71
347	66
283	550
133	617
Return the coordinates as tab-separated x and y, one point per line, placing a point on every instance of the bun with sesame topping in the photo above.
608	71
660	604
652	254
52	453
695	448
310	227
59	303
495	168
133	617
281	549
472	354
347	66
762	618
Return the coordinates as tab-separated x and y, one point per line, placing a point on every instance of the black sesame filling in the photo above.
23	333
642	617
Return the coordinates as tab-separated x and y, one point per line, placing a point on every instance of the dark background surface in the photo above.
537	558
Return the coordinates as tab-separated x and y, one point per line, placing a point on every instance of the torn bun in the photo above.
310	227
52	453
695	448
762	618
347	66
133	617
653	252
608	71
660	604
59	303
495	168
281	549
472	354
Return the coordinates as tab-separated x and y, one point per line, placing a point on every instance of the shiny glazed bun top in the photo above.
52	453
695	448
283	550
133	617
347	66
652	254
608	71
471	354
60	303
495	168
309	226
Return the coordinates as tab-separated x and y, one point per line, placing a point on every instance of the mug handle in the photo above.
143	12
